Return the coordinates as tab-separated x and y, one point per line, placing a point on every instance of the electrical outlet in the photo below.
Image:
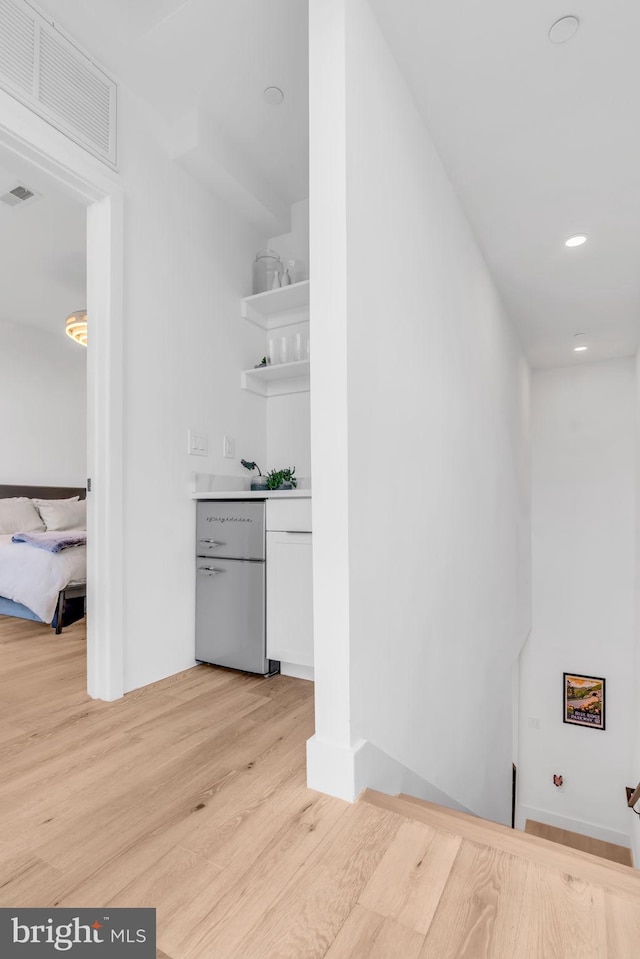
533	722
228	447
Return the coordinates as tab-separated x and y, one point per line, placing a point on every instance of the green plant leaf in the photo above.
275	478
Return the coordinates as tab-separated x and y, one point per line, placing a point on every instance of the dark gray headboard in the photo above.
42	492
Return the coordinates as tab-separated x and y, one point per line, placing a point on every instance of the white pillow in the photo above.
58	514
19	515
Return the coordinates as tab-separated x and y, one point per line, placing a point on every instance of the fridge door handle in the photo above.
209	570
211	542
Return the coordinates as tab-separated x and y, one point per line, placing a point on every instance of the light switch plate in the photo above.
197	443
228	447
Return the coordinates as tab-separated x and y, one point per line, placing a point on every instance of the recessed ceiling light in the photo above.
273	96
577	240
564	29
580	346
580	349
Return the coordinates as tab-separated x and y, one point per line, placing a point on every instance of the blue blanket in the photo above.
53	542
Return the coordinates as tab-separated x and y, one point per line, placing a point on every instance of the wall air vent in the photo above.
40	67
19	195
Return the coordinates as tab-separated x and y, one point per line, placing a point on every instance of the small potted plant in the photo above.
258	482
282	479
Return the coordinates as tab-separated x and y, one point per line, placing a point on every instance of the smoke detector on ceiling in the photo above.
19	195
564	29
273	96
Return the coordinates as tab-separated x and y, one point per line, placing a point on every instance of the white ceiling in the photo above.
42	251
217	56
542	141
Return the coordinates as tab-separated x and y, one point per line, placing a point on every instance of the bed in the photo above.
35	584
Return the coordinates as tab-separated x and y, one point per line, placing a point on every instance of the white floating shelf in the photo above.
276	308
278	379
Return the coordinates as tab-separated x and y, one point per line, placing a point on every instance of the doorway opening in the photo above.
47	159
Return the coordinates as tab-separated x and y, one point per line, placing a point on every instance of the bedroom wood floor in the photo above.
189	796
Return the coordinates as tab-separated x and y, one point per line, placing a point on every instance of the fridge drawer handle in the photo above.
209	570
211	542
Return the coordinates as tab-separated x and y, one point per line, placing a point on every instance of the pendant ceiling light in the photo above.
76	326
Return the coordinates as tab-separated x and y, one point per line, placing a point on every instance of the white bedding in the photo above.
34	577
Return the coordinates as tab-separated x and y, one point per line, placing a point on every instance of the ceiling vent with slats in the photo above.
19	195
46	72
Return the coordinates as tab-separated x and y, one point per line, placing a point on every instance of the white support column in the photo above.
330	751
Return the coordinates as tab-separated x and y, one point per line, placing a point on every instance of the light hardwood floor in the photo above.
190	796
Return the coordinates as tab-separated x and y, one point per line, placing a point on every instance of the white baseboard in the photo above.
573	825
331	768
346	771
298	672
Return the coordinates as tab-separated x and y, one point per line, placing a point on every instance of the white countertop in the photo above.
255	494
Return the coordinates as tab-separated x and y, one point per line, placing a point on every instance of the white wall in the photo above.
288	416
289	433
295	244
584	508
635	769
330	753
43	398
188	263
437	501
43	250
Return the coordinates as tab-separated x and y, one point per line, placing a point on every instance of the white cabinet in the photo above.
289	515
290	586
290	600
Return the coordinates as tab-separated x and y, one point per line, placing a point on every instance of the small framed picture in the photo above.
583	700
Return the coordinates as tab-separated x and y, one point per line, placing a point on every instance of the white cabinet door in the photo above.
292	515
290	598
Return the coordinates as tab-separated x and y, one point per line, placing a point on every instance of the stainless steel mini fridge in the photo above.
230	585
